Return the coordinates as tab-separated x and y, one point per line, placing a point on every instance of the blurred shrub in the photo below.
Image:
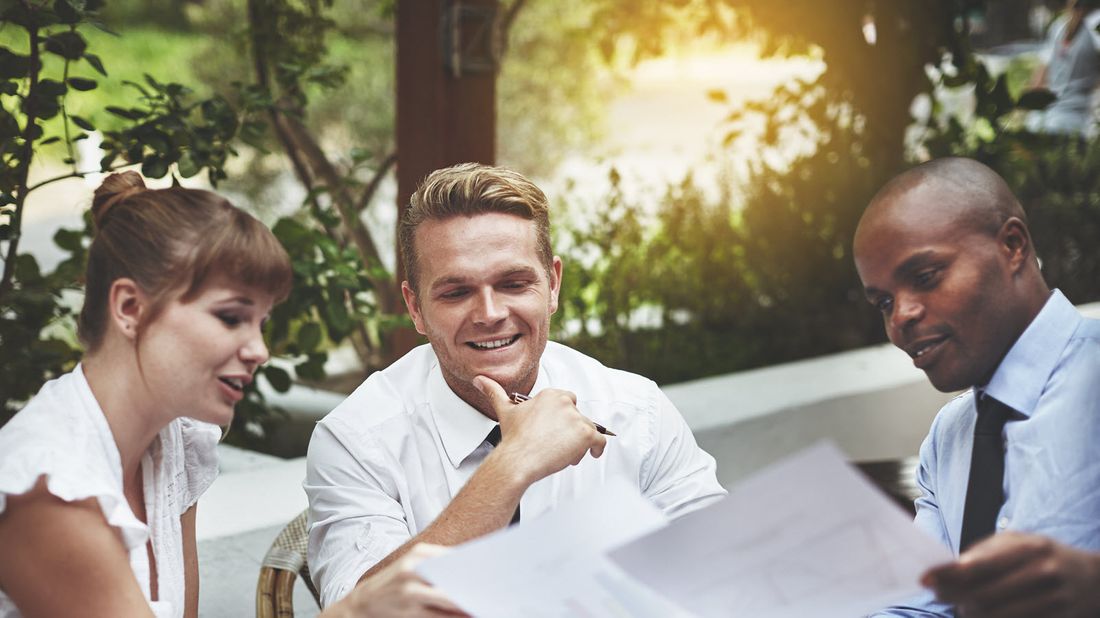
1058	185
1055	178
166	129
44	68
703	287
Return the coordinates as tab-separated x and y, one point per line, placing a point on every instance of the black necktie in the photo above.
985	490
494	439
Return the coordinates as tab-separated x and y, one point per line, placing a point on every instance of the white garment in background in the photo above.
389	459
63	435
1072	74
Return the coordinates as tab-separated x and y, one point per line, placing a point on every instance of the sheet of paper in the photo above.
556	565
809	536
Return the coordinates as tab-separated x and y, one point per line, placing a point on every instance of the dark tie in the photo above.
985	490
494	439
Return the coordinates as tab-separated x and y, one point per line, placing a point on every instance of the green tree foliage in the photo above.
340	280
1056	181
714	285
553	83
168	130
163	126
1053	176
768	277
665	298
551	86
872	81
703	286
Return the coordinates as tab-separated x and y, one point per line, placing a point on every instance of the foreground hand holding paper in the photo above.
555	565
807	536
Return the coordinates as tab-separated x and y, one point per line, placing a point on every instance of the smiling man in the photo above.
1009	471
432	449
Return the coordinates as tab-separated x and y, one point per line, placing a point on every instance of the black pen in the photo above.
520	398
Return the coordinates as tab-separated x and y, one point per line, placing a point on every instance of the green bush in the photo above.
705	287
165	128
1056	181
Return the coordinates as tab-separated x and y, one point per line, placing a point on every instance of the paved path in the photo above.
239	517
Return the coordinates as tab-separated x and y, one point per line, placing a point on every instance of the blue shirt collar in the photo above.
1025	370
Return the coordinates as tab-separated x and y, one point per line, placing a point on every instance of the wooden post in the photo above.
446	98
442	118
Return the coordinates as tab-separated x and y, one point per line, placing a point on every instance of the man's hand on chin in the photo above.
544	434
1013	575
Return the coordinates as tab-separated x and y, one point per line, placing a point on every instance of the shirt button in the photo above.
1002	523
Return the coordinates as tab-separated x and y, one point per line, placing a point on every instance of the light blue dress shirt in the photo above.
1051	379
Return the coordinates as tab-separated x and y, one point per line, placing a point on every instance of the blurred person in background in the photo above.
1070	70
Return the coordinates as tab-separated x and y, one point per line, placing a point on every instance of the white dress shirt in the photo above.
63	436
384	464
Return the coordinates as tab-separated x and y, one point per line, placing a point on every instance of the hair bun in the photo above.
113	190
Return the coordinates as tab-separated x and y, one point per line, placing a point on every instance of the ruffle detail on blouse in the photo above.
200	457
63	436
20	473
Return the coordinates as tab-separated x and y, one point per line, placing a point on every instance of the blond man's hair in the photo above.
470	189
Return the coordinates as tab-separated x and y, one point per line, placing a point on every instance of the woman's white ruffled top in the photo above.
63	435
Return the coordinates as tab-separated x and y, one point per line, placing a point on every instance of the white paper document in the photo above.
809	536
555	565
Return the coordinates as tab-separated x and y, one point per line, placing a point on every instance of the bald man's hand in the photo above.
1013	575
542	435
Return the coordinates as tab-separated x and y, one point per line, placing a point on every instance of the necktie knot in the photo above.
992	416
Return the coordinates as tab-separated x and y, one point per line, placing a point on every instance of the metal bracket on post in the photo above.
471	39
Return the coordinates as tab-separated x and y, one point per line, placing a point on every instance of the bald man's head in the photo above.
944	253
979	197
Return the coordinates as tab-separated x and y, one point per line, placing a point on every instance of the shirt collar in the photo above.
1019	380
462	428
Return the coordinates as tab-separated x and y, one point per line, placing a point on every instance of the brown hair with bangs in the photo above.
172	241
470	189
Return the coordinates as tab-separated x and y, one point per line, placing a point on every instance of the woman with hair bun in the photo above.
101	471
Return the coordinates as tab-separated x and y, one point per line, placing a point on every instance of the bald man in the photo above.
944	253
